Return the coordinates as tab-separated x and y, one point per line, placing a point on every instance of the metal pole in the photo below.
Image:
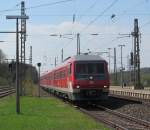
30	59
39	65
23	38
17	70
17	58
62	55
137	54
55	62
39	81
121	69
109	58
137	77
78	44
115	68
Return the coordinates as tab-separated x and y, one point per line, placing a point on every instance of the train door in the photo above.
69	77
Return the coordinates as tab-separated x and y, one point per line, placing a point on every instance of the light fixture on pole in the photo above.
17	17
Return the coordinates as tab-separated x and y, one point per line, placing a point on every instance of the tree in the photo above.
2	56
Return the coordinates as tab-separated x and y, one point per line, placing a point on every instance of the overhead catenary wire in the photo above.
145	24
38	6
124	13
81	16
13	8
48	4
89	8
86	15
100	15
97	17
105	10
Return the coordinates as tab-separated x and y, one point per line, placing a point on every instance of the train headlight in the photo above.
78	86
105	86
91	77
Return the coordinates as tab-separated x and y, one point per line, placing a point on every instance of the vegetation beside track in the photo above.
145	78
43	114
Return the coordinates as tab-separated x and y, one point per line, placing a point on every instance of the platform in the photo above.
130	92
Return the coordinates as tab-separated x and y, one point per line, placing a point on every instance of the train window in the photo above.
55	75
63	73
90	68
69	69
96	68
81	68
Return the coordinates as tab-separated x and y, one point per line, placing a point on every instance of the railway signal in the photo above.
39	65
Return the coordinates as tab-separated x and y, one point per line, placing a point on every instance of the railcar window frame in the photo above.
89	62
69	69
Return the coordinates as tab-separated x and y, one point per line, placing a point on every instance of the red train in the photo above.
79	78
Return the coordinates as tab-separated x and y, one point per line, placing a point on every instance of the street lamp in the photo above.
39	65
17	17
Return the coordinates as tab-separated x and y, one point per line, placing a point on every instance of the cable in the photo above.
124	12
98	15
145	24
120	14
11	9
96	18
38	6
89	8
115	39
48	4
101	14
81	16
87	15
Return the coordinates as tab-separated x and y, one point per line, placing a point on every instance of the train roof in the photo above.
87	58
82	57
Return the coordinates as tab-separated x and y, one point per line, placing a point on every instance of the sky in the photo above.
87	17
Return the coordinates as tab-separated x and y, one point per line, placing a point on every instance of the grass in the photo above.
43	114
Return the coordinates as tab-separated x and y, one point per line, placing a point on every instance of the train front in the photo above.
91	78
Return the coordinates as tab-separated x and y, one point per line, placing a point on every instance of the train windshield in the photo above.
83	69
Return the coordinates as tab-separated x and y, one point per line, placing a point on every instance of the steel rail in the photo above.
128	117
5	91
5	88
101	119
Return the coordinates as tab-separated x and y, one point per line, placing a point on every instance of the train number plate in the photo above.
91	82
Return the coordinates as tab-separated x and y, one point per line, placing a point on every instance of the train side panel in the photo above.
62	81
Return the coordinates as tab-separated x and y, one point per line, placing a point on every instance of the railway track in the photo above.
5	91
116	120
